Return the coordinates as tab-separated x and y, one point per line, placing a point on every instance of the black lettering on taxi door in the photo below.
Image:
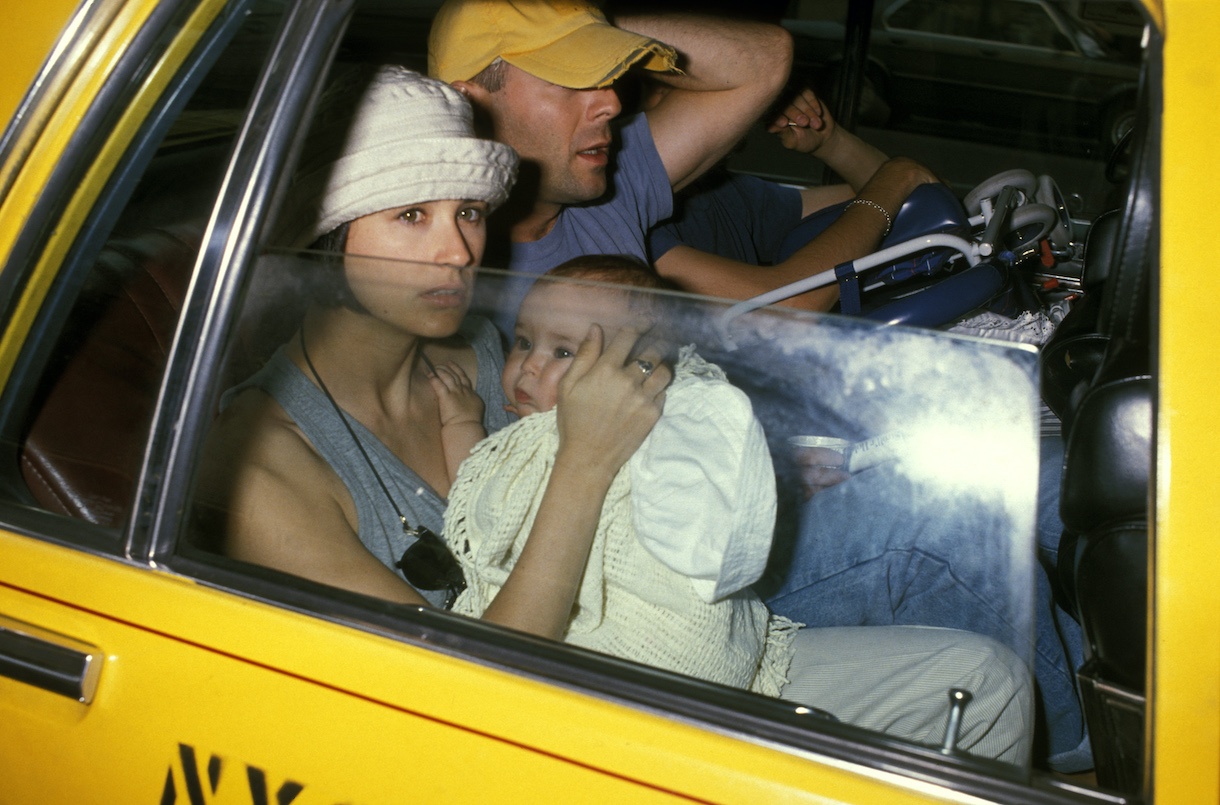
258	788
256	780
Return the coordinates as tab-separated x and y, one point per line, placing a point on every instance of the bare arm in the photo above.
461	411
283	507
857	232
807	126
732	71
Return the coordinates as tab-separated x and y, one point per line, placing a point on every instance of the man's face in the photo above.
564	132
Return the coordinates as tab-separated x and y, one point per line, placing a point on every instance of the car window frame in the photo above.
170	25
254	181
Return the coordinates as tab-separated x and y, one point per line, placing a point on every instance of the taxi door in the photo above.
136	181
120	682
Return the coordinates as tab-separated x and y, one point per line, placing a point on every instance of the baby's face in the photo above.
553	321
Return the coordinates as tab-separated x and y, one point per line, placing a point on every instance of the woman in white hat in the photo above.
328	463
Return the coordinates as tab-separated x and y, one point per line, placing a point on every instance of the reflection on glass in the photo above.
969	87
923	518
105	336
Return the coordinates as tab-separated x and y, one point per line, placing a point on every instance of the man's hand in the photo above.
805	125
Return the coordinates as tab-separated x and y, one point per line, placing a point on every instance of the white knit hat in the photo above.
400	138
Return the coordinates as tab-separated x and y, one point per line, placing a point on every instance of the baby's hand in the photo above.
805	125
455	395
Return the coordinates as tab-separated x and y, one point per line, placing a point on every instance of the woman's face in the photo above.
444	239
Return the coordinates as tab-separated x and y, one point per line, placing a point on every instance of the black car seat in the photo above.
1097	374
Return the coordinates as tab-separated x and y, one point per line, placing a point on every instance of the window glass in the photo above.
97	354
950	19
935	88
1023	24
941	432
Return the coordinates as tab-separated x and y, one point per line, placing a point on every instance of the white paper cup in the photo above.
829	442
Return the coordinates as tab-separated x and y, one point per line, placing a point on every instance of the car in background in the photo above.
1022	73
143	159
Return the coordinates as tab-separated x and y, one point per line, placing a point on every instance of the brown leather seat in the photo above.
82	453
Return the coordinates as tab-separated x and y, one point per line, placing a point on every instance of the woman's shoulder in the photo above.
255	434
256	458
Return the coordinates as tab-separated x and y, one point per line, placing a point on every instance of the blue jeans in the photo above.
880	549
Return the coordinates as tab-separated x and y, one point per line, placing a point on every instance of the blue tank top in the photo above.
379	528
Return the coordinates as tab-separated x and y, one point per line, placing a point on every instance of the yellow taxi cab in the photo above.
143	158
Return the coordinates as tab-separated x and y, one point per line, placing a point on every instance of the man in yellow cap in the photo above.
541	73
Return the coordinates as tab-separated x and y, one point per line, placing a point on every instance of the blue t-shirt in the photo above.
733	215
638	197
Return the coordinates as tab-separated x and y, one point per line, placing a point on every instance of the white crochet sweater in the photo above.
629	604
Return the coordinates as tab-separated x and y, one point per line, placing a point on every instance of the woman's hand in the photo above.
607	403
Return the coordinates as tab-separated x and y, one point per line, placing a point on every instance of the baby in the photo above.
685	528
687	525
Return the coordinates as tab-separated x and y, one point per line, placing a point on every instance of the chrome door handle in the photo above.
49	661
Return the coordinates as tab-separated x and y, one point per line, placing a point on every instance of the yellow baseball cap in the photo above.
565	42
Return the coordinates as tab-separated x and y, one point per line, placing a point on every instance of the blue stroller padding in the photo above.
956	295
930	209
908	296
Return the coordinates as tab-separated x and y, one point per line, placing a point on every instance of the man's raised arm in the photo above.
731	72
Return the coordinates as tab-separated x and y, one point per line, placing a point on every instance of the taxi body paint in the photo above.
243	686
